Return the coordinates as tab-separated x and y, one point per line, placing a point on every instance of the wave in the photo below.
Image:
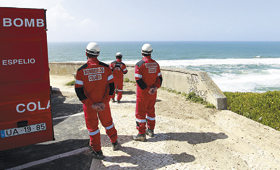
200	62
233	75
253	82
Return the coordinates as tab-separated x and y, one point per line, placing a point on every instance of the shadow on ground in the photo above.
18	156
141	159
190	137
137	158
134	101
62	108
128	92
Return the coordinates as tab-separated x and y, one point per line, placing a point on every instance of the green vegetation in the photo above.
170	90
71	83
209	105
261	107
163	88
127	80
184	94
191	97
194	98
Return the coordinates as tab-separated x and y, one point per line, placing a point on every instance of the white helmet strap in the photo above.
146	52
92	52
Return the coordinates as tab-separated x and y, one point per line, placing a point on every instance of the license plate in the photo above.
22	130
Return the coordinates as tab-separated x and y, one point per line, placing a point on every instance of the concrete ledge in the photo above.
181	80
65	68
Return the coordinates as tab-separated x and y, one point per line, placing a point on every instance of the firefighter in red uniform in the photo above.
119	69
94	88
148	79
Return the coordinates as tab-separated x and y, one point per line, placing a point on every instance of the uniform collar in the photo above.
146	58
93	61
119	60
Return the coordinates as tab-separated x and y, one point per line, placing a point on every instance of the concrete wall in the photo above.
181	80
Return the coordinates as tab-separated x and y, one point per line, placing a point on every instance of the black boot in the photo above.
98	155
150	132
116	146
140	137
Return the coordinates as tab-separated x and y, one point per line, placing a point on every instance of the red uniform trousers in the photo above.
92	125
145	110
119	88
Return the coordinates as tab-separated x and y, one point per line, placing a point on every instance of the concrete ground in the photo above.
188	136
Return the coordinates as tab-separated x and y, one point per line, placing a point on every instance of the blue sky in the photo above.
158	20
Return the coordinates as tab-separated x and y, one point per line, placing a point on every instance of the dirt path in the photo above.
188	136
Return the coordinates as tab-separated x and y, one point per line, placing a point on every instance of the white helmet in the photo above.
119	54
147	49
93	48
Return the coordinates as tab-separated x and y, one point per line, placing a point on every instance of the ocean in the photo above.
233	66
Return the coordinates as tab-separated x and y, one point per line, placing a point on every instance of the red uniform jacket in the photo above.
147	74
94	82
118	68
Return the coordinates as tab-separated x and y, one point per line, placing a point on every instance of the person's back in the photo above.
119	69
94	87
148	79
94	75
149	70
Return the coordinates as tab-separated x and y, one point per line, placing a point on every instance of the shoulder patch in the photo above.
139	63
82	67
103	64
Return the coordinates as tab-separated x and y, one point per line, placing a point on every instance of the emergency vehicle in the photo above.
25	107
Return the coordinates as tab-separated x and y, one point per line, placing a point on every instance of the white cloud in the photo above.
29	3
61	23
69	20
58	17
58	12
88	23
62	26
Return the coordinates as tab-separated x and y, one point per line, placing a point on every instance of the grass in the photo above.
260	107
71	83
190	97
194	98
127	80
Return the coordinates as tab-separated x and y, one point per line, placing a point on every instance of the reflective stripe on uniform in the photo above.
159	74
79	82
138	75
150	118
93	133
119	90
141	120
109	127
110	77
125	69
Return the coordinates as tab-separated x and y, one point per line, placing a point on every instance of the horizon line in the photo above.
155	41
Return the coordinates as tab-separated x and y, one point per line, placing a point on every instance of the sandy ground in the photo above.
188	136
